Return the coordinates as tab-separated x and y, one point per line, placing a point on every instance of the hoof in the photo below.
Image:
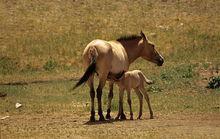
131	118
117	118
123	117
108	116
151	117
92	119
101	118
139	117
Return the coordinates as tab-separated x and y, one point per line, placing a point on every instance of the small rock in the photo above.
153	35
17	105
3	118
163	27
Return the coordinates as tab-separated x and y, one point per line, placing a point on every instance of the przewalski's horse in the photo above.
133	80
110	59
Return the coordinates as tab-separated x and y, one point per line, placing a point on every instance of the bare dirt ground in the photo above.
77	126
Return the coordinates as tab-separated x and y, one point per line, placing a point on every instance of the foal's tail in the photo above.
90	70
145	78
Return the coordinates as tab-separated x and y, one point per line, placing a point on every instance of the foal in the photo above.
133	80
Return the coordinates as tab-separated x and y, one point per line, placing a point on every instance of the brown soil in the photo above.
77	126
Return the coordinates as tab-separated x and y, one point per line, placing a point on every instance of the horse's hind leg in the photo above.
92	96
99	98
140	96
110	96
148	101
129	103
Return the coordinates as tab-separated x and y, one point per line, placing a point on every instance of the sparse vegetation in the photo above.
8	65
50	65
214	82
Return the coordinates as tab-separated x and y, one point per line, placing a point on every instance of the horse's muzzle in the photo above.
160	62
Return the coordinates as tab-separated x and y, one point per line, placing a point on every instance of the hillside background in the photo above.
41	36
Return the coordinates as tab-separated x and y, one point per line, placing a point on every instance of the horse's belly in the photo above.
118	66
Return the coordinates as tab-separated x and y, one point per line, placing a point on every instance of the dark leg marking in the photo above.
99	97
110	96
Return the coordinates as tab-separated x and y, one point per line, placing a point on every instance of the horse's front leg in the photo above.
121	114
110	96
148	101
99	98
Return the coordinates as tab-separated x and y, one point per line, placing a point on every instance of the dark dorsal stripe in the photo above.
129	37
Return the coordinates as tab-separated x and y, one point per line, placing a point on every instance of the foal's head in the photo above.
149	52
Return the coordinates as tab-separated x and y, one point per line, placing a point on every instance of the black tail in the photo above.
89	71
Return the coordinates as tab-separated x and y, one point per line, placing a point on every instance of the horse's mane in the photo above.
128	37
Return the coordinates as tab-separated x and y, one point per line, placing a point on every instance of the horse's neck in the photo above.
132	49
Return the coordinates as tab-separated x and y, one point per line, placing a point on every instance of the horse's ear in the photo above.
143	35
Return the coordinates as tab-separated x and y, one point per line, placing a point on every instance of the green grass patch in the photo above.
8	65
214	82
50	65
56	97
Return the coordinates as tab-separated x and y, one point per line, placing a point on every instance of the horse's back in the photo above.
102	48
131	79
110	55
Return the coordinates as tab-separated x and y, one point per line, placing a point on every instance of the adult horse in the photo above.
110	59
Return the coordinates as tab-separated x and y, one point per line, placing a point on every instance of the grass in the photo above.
45	40
57	98
59	31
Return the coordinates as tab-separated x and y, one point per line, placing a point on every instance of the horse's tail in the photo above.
145	78
90	69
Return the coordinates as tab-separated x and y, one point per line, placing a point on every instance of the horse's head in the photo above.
149	52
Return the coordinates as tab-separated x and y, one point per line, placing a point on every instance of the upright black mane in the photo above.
128	37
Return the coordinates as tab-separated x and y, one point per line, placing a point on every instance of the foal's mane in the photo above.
129	37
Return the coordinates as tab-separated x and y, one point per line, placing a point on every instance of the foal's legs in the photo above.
121	114
148	101
99	97
92	96
140	96
129	103
110	96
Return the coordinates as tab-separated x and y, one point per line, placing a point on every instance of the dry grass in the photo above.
42	30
